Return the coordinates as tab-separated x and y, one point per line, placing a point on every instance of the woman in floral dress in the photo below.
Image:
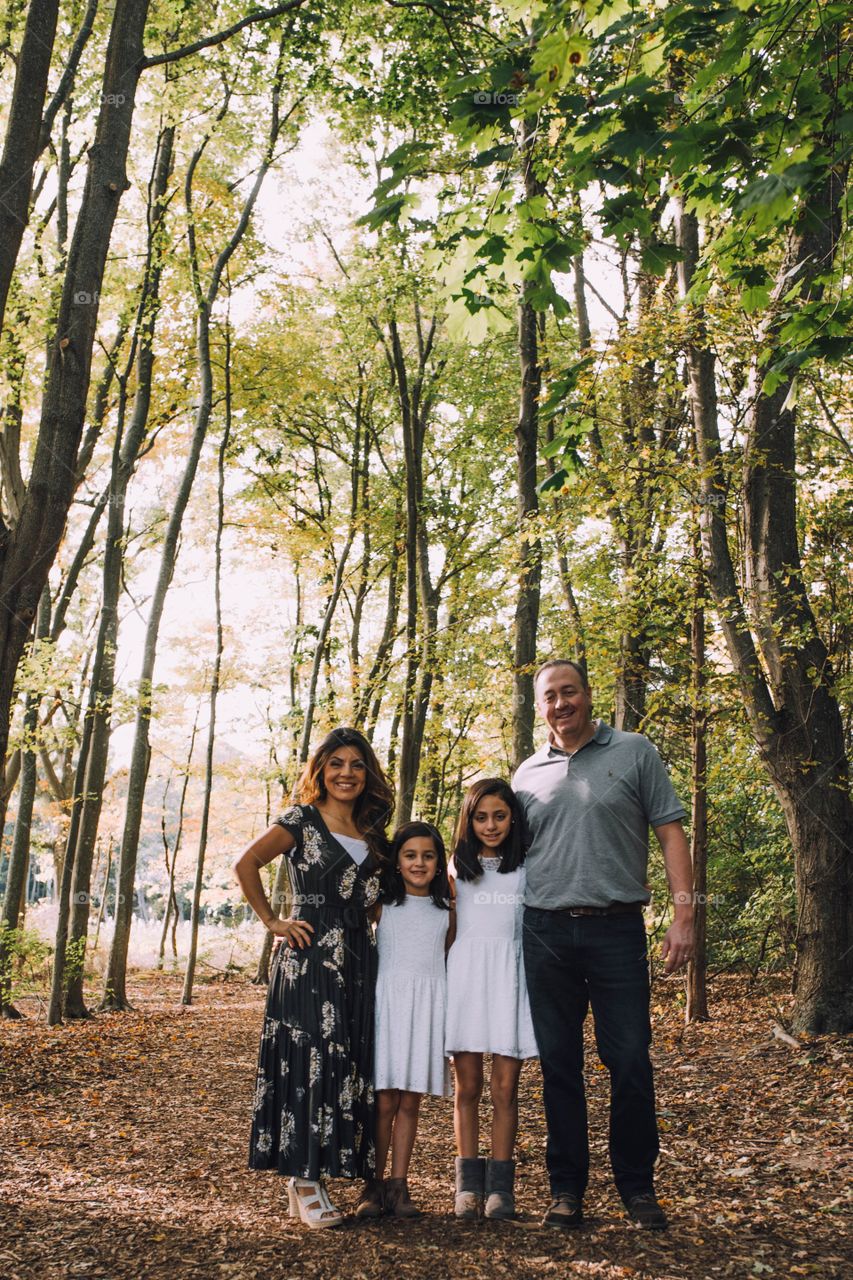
313	1107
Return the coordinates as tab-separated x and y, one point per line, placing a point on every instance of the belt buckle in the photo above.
577	912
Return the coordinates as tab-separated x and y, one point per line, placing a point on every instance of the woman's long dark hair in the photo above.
466	846
393	887
373	808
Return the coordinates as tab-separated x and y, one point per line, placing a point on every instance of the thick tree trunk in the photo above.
21	146
30	549
16	874
526	622
115	982
794	712
125	456
19	856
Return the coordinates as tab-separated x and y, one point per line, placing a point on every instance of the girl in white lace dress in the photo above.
411	937
487	1006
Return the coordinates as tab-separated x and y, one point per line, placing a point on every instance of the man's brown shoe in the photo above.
565	1210
646	1212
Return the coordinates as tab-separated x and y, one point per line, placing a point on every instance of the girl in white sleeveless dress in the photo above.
411	989
487	1005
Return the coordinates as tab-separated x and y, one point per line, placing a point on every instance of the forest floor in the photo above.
124	1144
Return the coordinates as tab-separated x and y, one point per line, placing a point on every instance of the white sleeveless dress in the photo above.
411	997
487	1006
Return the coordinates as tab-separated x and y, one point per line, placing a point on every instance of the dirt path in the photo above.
123	1149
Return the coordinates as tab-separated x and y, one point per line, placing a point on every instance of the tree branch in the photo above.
207	42
67	78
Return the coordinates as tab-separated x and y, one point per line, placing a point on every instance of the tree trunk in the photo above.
57	987
636	514
421	602
367	711
21	147
171	899
793	710
363	586
103	902
697	991
125	455
322	639
526	623
19	856
281	901
189	976
115	982
29	550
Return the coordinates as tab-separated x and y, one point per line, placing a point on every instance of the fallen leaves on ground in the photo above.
124	1143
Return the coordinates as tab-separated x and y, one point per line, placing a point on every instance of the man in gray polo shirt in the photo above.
589	796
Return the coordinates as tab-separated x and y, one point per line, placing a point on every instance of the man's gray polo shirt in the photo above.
588	817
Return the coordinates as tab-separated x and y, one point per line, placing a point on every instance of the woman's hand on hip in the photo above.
296	933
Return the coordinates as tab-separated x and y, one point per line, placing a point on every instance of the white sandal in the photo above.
315	1208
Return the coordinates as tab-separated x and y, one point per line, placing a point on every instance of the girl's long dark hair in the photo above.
466	846
373	808
393	887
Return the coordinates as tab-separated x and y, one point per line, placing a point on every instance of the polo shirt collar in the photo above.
603	734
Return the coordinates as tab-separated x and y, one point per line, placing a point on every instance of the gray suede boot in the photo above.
470	1187
500	1189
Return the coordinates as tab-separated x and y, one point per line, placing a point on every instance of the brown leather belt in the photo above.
615	909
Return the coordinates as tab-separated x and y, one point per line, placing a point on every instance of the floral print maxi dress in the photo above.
313	1107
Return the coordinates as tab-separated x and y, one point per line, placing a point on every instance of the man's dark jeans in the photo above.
572	962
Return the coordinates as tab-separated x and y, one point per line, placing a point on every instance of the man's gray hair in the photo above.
579	668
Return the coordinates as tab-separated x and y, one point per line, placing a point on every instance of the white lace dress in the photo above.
487	1006
411	997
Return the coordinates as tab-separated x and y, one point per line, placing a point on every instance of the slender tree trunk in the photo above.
421	601
637	512
103	903
29	550
189	977
281	902
115	996
367	710
577	643
171	900
526	623
363	586
697	991
322	639
793	710
57	988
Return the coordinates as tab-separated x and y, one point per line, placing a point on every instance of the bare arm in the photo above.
451	928
247	869
678	943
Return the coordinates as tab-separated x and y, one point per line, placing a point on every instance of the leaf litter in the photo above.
124	1142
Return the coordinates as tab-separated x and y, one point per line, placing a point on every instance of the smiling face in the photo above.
344	775
418	863
491	821
564	704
